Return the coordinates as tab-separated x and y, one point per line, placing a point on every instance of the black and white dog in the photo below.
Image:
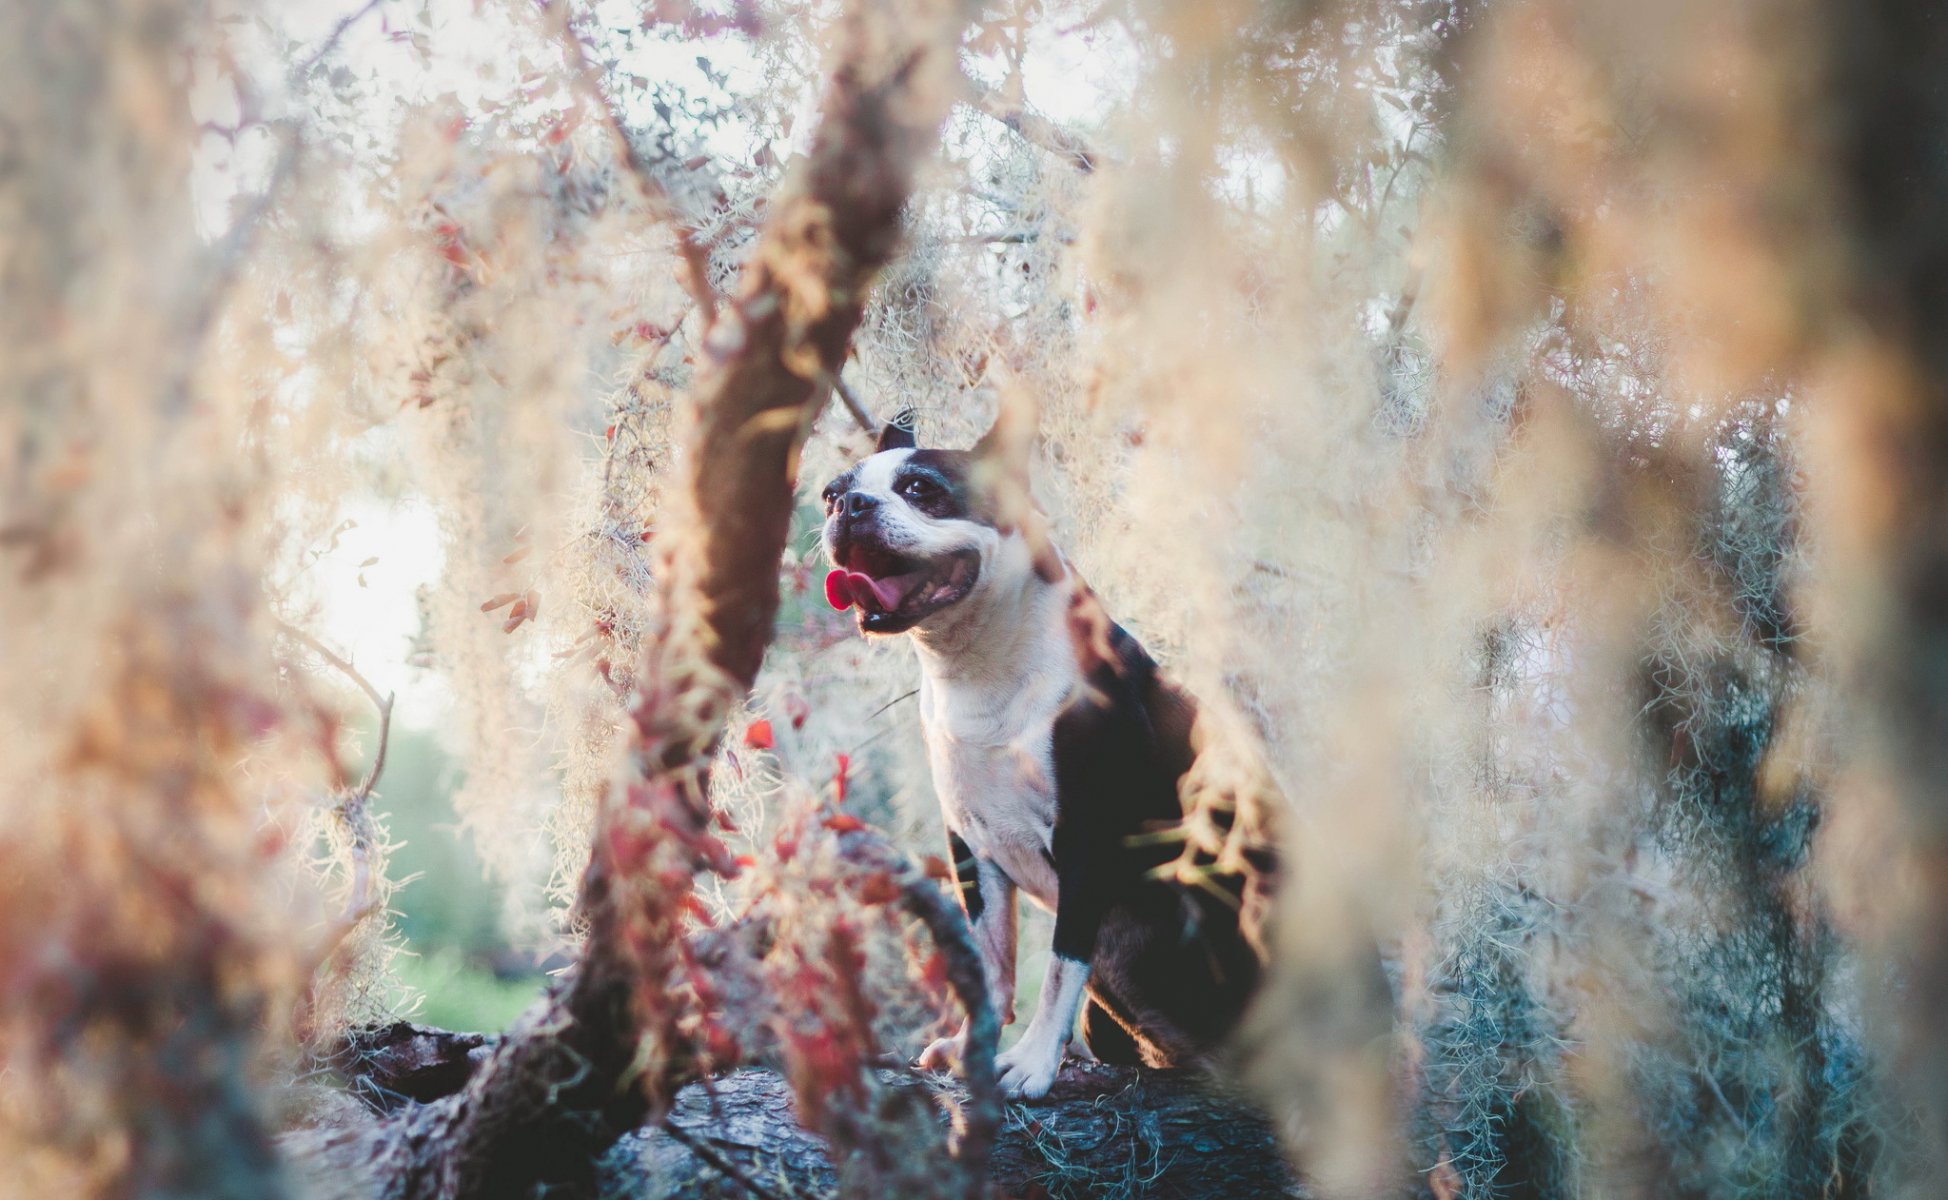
1054	745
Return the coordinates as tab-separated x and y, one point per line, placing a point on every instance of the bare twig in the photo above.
588	83
351	812
325	652
853	404
1036	129
338	31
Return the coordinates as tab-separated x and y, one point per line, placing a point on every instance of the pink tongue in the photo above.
843	589
837	592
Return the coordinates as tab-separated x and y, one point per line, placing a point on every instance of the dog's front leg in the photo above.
1028	1067
987	896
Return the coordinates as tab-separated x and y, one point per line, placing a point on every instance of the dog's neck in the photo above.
1005	636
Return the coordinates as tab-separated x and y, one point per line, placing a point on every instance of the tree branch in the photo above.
587	82
861	415
1036	129
350	809
927	901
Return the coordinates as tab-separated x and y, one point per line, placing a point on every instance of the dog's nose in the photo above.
859	503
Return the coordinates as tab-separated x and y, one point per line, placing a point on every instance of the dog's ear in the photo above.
1001	461
898	434
1008	444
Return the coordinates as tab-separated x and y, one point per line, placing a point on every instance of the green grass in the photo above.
462	996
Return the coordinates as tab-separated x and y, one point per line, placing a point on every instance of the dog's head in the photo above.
914	537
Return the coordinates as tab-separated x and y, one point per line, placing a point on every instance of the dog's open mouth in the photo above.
892	592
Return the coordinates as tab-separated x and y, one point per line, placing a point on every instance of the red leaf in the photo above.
722	1045
936	867
515	616
757	735
878	888
695	906
933	972
843	823
839	778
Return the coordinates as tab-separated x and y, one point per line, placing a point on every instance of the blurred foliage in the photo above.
455	961
459	993
445	901
1495	412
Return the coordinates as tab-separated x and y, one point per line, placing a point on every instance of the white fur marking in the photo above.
906	530
1028	1067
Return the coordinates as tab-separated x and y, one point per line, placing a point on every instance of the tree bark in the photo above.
1879	441
1102	1131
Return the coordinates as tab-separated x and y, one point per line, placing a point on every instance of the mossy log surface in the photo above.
1102	1132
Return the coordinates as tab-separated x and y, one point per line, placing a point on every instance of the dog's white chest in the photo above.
993	763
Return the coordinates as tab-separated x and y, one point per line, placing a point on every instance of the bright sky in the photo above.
372	613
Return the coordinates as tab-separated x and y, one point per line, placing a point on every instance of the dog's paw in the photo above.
944	1054
1027	1069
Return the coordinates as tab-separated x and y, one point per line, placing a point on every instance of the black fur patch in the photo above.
1166	959
967	873
1111	784
1106	1038
940	484
898	433
840	485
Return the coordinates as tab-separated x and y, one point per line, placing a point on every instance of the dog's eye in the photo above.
918	489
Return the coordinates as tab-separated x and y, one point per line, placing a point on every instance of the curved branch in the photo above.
925	900
361	898
1036	129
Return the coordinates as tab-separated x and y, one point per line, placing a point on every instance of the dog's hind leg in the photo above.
1105	1039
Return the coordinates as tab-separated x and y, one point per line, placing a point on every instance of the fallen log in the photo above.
1103	1131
